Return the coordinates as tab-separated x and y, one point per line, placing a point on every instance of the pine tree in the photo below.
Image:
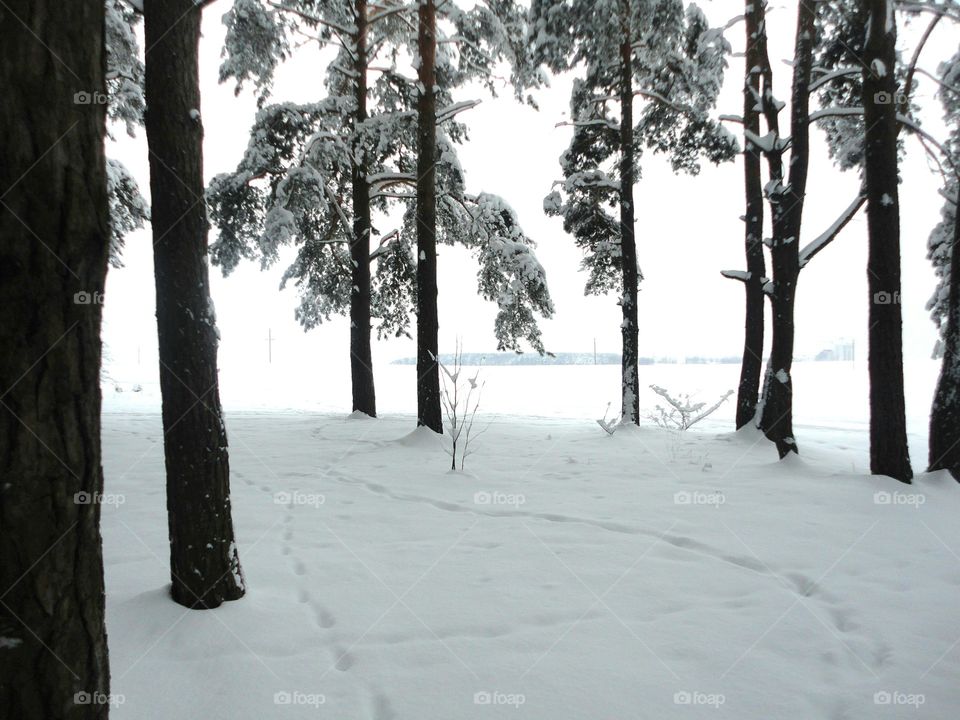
428	322
889	454
53	261
301	163
128	209
852	139
670	58
944	450
258	36
785	192
756	75
787	202
204	563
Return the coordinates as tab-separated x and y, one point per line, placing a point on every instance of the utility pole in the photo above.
270	346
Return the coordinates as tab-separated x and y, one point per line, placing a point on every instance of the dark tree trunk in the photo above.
945	413
204	564
787	202
752	363
428	371
888	428
361	357
53	261
630	380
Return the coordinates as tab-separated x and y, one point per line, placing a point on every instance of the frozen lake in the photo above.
828	395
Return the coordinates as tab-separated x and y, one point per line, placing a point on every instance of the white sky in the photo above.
687	231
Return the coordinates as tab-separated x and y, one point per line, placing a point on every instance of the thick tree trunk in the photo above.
428	371
630	376
888	428
361	357
752	363
204	564
945	413
777	418
53	261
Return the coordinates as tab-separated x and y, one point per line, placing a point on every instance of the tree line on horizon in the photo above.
378	146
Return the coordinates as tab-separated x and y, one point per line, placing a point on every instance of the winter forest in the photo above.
449	359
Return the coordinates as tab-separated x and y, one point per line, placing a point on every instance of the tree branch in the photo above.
912	69
810	250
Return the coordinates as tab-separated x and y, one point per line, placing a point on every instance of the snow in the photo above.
567	573
767	143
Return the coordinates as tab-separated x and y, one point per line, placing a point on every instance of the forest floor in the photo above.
564	574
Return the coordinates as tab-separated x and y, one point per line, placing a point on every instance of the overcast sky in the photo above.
688	229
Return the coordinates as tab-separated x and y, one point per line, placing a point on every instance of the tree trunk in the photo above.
204	564
751	365
361	357
888	428
53	260
428	371
945	413
630	377
777	417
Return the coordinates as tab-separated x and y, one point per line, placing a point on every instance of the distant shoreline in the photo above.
564	358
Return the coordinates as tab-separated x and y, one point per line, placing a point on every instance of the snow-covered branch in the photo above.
588	123
823	239
387	11
835	111
340	211
741	275
342	29
731	118
833	75
451	111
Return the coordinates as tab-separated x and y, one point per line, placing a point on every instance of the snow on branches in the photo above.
298	181
940	243
677	64
125	104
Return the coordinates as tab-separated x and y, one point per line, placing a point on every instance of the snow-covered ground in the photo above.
564	574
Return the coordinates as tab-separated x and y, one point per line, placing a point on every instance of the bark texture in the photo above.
751	366
204	564
628	243
787	204
361	356
888	429
428	326
945	413
54	231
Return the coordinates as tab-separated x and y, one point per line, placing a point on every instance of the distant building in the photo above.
842	350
